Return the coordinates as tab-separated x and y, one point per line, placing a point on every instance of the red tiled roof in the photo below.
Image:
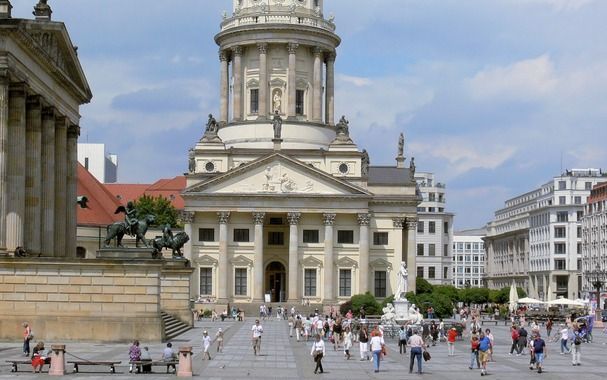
168	188
125	192
101	203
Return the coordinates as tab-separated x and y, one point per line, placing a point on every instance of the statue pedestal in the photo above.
125	253
277	143
401	310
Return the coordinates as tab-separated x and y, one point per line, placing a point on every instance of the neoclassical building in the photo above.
280	203
42	86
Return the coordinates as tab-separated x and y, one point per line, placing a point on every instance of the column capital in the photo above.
60	121
4	76
34	101
48	112
223	216
187	217
73	131
223	55
292	47
237	50
364	219
411	223
317	51
330	56
293	217
18	89
398	222
259	217
328	219
262	47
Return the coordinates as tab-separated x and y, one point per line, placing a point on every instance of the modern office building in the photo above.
468	258
434	231
95	159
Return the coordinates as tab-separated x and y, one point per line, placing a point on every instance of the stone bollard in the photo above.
185	362
57	360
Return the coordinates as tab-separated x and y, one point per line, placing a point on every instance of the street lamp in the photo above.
596	278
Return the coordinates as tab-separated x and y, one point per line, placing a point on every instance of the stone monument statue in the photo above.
191	161
402	286
412	169
210	132
167	240
133	225
343	131
364	163
388	318
401	145
277	125
415	316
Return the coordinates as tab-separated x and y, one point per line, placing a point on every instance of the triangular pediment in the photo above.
346	262
50	44
277	174
311	262
206	260
381	264
242	261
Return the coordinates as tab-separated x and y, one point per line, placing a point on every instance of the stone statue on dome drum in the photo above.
277	125
364	163
401	145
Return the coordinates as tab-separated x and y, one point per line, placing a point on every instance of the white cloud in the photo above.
559	5
529	79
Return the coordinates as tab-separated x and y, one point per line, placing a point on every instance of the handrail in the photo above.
277	18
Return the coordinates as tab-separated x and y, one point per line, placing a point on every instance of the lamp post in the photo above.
596	278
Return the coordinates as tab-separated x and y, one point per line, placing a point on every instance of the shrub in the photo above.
422	286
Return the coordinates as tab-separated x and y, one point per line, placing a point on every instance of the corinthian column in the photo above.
60	185
363	252
223	217
16	167
33	183
258	288
330	92
293	218
224	87
263	81
316	102
397	243
47	198
411	252
4	91
292	78
237	54
72	179
328	221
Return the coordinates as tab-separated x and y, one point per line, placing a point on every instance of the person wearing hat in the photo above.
219	339
206	343
451	337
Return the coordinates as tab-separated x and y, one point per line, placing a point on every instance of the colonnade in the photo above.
38	174
234	56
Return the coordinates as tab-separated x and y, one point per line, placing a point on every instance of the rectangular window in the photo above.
420	227
580	215
310	236
420	250
445	227
206	234
345	282
345	237
276	221
579	249
445	272
559	248
562	185
559	264
241	235
420	272
206	281
579	264
588	186
562	200
560	232
254	101
432	227
299	102
310	282
431	272
276	238
240	281
562	216
431	249
577	200
380	283
579	231
431	197
380	238
446	250
466	270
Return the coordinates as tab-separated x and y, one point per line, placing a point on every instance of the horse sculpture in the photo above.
118	230
175	244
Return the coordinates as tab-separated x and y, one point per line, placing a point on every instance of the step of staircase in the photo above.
172	326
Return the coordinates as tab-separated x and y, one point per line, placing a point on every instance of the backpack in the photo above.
577	341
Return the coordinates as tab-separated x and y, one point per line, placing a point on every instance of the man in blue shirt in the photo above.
484	348
540	351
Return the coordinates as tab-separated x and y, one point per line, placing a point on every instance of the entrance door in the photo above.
276	285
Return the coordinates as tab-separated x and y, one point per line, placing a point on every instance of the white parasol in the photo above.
529	300
565	301
513	298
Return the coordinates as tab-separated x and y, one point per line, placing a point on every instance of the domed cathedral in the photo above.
281	204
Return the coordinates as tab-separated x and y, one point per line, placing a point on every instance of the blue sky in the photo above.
492	95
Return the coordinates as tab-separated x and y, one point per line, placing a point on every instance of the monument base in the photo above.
126	253
401	310
277	143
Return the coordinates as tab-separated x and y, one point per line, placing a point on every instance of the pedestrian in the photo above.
377	345
514	335
337	330
257	330
522	340
416	344
548	327
402	340
291	325
363	342
474	344
168	355
451	337
318	351
564	339
298	327
27	337
219	340
484	348
489	335
347	342
206	344
576	348
540	351
434	333
134	356
441	330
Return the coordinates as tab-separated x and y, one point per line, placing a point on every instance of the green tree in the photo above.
474	295
449	291
160	207
422	286
366	300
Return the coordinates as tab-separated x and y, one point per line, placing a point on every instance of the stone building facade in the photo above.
290	209
42	86
594	243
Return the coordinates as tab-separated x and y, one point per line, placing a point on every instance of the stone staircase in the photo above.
252	309
172	326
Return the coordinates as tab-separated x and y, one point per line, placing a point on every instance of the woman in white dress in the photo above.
347	335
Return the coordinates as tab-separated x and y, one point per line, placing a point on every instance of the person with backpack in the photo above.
576	347
402	340
522	340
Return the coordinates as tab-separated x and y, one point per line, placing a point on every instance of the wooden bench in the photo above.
15	363
158	363
494	321
77	363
